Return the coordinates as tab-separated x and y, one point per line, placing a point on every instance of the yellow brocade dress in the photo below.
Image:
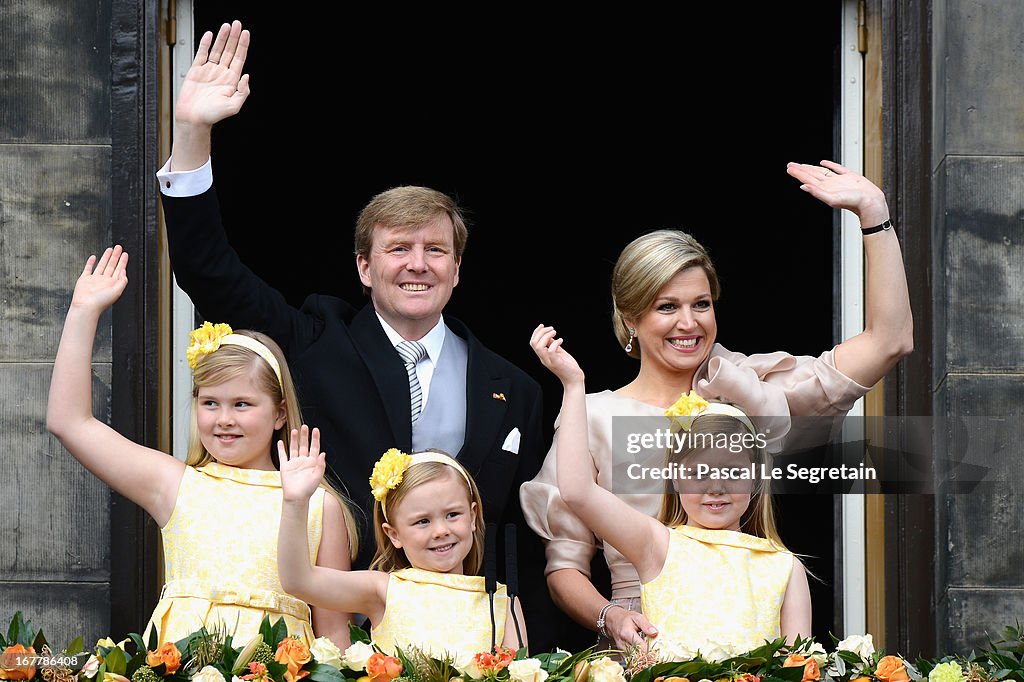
439	613
220	556
720	591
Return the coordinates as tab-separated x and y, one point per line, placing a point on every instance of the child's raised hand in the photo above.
302	465
101	283
553	356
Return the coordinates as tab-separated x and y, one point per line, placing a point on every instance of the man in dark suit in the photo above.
354	381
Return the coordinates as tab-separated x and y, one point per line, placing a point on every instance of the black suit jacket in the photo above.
353	385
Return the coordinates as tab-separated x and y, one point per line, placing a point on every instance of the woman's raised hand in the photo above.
840	187
101	283
549	349
302	464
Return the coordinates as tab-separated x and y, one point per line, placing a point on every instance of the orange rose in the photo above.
18	672
748	677
891	669
294	654
811	671
167	654
672	678
383	668
861	679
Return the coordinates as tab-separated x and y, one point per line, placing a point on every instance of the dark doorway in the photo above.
565	135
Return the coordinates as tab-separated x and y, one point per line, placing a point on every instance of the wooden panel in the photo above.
56	67
55	211
56	513
63	611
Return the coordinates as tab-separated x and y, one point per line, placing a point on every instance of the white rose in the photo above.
670	651
356	656
818	653
208	674
527	670
715	652
858	644
325	651
606	670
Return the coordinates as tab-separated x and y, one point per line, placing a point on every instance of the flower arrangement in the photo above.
208	655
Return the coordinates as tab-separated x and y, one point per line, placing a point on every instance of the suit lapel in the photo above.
388	373
487	391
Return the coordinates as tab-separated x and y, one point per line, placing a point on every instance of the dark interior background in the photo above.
565	135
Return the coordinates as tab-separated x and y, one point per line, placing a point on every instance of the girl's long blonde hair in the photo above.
388	557
230	361
759	517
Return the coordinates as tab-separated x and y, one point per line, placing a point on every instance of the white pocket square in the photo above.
511	443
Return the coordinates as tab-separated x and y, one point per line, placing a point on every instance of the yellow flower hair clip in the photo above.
205	340
687	408
209	337
388	472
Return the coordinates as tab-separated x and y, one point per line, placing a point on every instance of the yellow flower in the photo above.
205	340
388	472
687	408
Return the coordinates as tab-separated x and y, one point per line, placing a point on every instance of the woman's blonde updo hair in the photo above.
643	269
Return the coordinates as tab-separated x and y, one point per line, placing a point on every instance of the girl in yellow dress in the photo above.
715	576
422	589
219	511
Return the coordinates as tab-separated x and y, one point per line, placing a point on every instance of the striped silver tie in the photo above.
412	352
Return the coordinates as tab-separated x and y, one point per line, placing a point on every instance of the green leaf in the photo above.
140	646
357	634
77	646
115	661
39	641
139	660
278	633
321	672
152	639
21	631
277	670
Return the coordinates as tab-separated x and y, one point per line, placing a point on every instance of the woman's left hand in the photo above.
840	187
549	351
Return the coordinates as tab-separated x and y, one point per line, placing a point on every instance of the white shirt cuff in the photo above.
188	183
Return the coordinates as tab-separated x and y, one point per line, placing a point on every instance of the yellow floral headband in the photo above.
392	465
209	337
690	405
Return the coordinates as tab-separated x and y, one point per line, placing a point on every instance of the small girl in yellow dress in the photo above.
715	576
218	512
422	589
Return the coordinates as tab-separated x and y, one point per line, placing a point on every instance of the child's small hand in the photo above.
99	286
302	465
553	356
